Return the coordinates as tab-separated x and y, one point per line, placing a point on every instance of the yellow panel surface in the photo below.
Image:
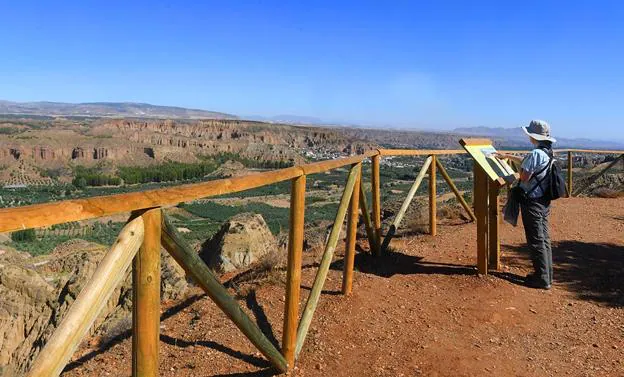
494	167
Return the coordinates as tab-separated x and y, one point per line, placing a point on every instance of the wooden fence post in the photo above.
352	223
93	297
570	163
433	208
376	197
188	259
410	196
458	194
373	241
481	212
146	298
326	260
493	227
293	275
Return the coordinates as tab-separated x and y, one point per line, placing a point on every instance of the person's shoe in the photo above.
533	281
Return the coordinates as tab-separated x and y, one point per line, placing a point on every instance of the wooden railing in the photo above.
149	227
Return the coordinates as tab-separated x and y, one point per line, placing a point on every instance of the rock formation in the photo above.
37	292
242	241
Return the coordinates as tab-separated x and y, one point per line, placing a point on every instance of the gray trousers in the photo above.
535	219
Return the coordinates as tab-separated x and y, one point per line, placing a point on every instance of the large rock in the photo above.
35	294
230	169
242	241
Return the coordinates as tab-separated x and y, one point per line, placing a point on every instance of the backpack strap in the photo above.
548	165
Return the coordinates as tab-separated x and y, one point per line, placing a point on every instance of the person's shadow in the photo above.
593	271
394	262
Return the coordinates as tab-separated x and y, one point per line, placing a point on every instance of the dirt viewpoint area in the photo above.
423	311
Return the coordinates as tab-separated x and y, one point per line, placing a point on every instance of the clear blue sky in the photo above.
415	64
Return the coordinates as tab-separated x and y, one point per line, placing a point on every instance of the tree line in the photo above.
168	172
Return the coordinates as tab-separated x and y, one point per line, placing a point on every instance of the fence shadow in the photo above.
251	302
593	271
393	263
261	319
253	360
269	372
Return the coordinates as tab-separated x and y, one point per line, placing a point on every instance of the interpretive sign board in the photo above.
482	151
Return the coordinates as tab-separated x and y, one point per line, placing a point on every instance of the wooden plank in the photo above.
410	196
293	275
475	141
458	195
180	250
481	212
326	260
376	196
39	215
146	299
493	227
90	301
420	152
373	241
352	224
47	214
433	205
596	151
593	179
323	166
570	163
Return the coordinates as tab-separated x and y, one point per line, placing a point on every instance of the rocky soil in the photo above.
421	310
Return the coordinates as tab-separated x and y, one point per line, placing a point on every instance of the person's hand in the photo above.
501	156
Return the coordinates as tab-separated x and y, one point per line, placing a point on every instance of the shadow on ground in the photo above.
593	271
251	303
396	263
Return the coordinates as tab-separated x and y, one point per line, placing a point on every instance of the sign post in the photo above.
490	174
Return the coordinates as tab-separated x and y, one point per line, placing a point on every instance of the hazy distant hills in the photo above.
108	109
516	135
287	118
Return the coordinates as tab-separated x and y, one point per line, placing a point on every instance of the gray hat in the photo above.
539	130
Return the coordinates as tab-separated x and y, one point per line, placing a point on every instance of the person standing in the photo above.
535	205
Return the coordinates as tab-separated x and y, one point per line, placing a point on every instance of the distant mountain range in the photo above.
510	136
286	118
516	135
108	109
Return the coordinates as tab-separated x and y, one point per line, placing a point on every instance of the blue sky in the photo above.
431	65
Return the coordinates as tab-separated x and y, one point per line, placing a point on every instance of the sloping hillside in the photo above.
423	311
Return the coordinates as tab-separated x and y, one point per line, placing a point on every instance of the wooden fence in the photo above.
149	227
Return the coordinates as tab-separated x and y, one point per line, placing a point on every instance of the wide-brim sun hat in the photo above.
539	130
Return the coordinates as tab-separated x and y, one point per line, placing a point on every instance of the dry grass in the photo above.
419	222
270	270
452	211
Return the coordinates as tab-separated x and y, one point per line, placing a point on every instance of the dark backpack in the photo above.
556	187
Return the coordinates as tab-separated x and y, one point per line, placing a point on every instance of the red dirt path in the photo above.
423	311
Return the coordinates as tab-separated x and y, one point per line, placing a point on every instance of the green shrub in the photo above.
170	171
27	235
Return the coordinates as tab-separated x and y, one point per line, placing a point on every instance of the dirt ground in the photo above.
422	310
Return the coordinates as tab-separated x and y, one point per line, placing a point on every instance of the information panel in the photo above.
482	151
